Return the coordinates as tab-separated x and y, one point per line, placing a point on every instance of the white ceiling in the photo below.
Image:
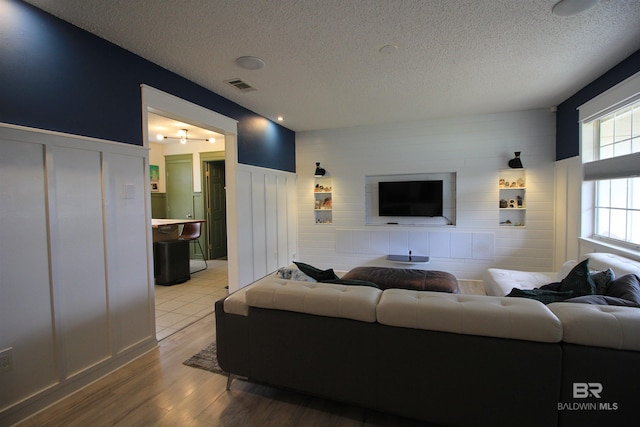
323	65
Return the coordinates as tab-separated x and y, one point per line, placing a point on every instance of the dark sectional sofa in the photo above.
448	359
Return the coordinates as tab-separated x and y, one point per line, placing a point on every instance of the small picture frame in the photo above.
154	187
154	173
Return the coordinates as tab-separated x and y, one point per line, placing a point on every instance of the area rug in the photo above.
206	359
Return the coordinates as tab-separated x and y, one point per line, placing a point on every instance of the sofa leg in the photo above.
229	379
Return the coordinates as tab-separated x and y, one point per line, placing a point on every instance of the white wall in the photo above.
76	292
475	148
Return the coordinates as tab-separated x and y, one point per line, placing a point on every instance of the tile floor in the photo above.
180	305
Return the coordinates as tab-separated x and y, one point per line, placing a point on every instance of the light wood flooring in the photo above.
158	390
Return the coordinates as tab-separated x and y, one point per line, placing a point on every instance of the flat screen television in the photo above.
410	198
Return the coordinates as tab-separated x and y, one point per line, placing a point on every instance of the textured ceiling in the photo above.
323	65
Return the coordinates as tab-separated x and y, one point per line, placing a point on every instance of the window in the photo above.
619	133
617	209
611	157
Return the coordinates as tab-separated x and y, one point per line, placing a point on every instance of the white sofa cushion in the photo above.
323	299
514	318
599	325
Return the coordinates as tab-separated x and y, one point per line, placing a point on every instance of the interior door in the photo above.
179	179
216	209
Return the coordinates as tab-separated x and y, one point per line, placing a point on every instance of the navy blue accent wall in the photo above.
567	128
58	77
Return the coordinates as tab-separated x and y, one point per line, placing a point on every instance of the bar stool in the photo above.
191	231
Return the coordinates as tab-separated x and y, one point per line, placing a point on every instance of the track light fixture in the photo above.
183	137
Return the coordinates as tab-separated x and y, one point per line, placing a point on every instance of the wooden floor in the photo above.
158	390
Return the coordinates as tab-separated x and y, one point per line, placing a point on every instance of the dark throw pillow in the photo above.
625	287
602	279
542	295
316	273
579	280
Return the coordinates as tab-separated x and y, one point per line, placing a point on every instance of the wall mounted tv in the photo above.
410	198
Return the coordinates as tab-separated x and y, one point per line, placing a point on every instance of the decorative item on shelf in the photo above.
516	163
519	201
520	182
322	189
512	203
503	203
502	183
320	172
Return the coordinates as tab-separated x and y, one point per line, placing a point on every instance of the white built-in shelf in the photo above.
323	201
512	197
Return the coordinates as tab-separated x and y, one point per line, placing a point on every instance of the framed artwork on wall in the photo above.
154	173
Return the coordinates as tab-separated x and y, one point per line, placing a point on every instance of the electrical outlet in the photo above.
6	359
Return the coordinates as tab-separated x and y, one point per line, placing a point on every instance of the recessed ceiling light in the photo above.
280	118
572	7
388	49
249	62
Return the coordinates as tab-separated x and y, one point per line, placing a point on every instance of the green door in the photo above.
179	170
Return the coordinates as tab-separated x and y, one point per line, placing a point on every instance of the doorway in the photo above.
189	177
180	305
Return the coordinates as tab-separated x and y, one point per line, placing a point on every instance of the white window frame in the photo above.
594	169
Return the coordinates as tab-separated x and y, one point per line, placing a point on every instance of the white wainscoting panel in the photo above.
76	298
439	244
259	224
267	232
124	202
461	245
25	294
78	257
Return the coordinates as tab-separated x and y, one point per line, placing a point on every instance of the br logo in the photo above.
584	390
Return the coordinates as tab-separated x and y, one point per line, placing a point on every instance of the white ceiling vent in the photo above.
240	85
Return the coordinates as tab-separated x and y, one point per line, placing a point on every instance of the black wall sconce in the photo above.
516	163
320	172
